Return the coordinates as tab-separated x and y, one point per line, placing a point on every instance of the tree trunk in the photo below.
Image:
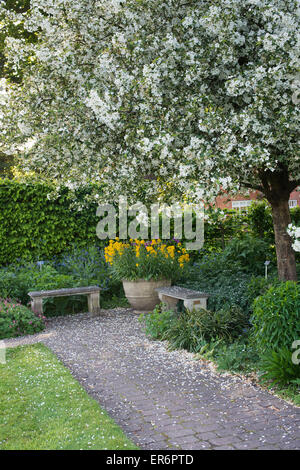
286	262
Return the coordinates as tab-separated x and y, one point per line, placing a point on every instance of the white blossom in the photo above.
151	95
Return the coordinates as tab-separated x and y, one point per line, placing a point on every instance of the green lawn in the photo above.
43	407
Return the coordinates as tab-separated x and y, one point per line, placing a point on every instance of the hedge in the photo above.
35	227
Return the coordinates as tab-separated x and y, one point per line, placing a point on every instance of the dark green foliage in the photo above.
114	300
250	252
259	221
35	227
227	282
9	286
197	327
276	317
279	368
239	356
16	30
259	285
81	267
17	320
191	330
17	281
225	225
221	226
158	322
86	265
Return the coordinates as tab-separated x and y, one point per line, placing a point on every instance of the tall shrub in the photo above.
276	317
33	226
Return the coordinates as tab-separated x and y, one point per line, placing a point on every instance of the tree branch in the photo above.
255	187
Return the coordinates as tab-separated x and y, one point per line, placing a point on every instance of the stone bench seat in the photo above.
93	293
192	299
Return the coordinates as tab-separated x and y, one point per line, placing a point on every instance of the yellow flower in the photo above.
171	251
182	259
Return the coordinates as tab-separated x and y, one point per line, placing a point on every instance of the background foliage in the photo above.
16	320
32	226
276	321
35	227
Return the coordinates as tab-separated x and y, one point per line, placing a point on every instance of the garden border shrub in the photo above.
32	226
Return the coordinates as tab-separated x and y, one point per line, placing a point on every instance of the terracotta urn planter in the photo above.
141	294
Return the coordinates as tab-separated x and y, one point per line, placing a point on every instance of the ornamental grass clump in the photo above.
140	259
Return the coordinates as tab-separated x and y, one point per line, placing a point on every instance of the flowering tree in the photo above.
13	25
10	26
148	94
294	233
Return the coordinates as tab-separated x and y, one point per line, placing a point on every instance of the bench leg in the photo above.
94	304
37	306
195	304
170	301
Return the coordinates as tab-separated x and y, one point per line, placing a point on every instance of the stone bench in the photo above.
93	293
192	299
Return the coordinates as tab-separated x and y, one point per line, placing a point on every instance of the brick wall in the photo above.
228	202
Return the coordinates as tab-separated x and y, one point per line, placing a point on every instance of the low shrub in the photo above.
16	281
48	278
258	285
110	300
191	330
239	356
17	320
86	265
276	317
226	282
186	333
9	284
279	368
79	267
158	322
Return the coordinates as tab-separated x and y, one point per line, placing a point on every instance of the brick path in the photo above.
162	399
